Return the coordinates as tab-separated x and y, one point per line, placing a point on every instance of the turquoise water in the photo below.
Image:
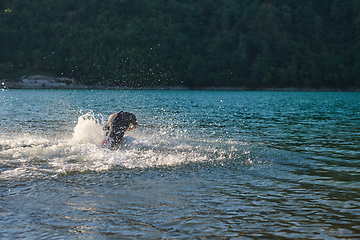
201	164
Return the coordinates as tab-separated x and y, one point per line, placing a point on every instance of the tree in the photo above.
252	43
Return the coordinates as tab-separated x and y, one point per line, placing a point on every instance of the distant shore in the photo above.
75	85
16	85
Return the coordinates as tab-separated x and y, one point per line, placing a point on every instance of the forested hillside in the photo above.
194	43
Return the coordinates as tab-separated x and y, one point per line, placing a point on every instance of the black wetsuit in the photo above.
116	126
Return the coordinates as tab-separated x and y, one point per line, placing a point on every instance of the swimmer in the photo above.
116	126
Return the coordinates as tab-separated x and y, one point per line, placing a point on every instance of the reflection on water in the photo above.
200	164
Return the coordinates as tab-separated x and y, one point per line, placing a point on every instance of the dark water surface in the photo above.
201	164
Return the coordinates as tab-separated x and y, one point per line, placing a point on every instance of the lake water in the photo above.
201	164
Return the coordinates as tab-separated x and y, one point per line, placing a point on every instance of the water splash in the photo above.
88	129
30	155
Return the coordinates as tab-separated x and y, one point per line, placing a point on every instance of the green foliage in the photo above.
253	43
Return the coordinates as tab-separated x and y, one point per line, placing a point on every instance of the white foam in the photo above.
33	155
89	129
13	173
14	141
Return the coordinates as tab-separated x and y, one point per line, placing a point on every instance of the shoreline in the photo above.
17	85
